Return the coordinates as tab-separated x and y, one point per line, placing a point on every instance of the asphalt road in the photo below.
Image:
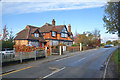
85	65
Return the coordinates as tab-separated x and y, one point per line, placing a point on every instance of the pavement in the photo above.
85	64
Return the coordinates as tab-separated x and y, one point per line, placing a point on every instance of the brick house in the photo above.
56	34
30	36
50	33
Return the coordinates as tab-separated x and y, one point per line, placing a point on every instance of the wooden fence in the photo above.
23	55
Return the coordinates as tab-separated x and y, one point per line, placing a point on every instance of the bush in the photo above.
7	44
24	48
74	45
56	47
51	46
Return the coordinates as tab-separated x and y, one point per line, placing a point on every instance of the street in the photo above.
82	65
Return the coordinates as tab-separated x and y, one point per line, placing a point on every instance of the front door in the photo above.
40	44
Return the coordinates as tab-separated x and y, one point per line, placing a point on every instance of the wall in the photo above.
21	42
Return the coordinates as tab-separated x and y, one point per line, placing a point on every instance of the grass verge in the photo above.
116	59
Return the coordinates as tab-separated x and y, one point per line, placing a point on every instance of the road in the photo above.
85	65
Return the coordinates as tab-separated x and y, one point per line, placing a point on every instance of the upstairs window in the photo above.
64	33
36	35
53	33
43	34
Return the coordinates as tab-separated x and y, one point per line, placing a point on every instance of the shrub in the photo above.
56	47
51	46
74	45
24	48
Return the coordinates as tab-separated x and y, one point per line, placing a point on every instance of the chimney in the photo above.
53	22
27	27
69	28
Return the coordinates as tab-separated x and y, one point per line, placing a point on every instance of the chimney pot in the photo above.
53	22
69	28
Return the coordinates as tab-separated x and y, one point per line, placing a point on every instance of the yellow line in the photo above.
16	71
56	69
52	68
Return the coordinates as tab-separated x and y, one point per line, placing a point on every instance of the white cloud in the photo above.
30	6
107	37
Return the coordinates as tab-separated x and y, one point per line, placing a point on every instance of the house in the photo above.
47	35
56	34
30	36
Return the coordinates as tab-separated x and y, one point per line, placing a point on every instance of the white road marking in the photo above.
106	67
67	57
54	72
80	59
62	59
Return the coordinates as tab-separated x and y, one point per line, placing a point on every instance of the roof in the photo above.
27	34
48	27
60	28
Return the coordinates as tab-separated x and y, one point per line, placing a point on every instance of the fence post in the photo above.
51	51
21	57
45	51
35	54
80	46
60	50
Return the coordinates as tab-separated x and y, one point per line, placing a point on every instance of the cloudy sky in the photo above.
83	15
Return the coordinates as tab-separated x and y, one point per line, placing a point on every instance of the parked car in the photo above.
7	53
107	46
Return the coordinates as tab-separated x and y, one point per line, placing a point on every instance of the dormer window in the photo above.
53	33
36	35
64	33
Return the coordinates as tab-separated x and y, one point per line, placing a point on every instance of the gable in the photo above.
64	30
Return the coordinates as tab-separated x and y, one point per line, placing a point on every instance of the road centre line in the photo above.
81	59
54	72
67	57
16	71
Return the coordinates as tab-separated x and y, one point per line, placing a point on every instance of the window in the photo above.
43	34
53	34
36	35
71	36
64	33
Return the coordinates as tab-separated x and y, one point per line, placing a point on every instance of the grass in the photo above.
116	59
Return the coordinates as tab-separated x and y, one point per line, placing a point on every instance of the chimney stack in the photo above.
53	22
69	28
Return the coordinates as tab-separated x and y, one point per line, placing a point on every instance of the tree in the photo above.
8	38
108	42
81	38
5	33
88	38
115	43
11	37
112	18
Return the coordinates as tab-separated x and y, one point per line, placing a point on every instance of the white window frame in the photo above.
53	33
36	35
64	33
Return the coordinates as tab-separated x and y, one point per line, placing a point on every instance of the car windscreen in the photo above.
6	49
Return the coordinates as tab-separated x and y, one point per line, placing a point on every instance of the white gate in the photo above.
64	48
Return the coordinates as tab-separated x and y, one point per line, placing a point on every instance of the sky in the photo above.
82	15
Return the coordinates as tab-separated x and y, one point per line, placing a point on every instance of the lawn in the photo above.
116	58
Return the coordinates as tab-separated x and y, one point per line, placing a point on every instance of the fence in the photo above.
23	55
73	49
55	50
